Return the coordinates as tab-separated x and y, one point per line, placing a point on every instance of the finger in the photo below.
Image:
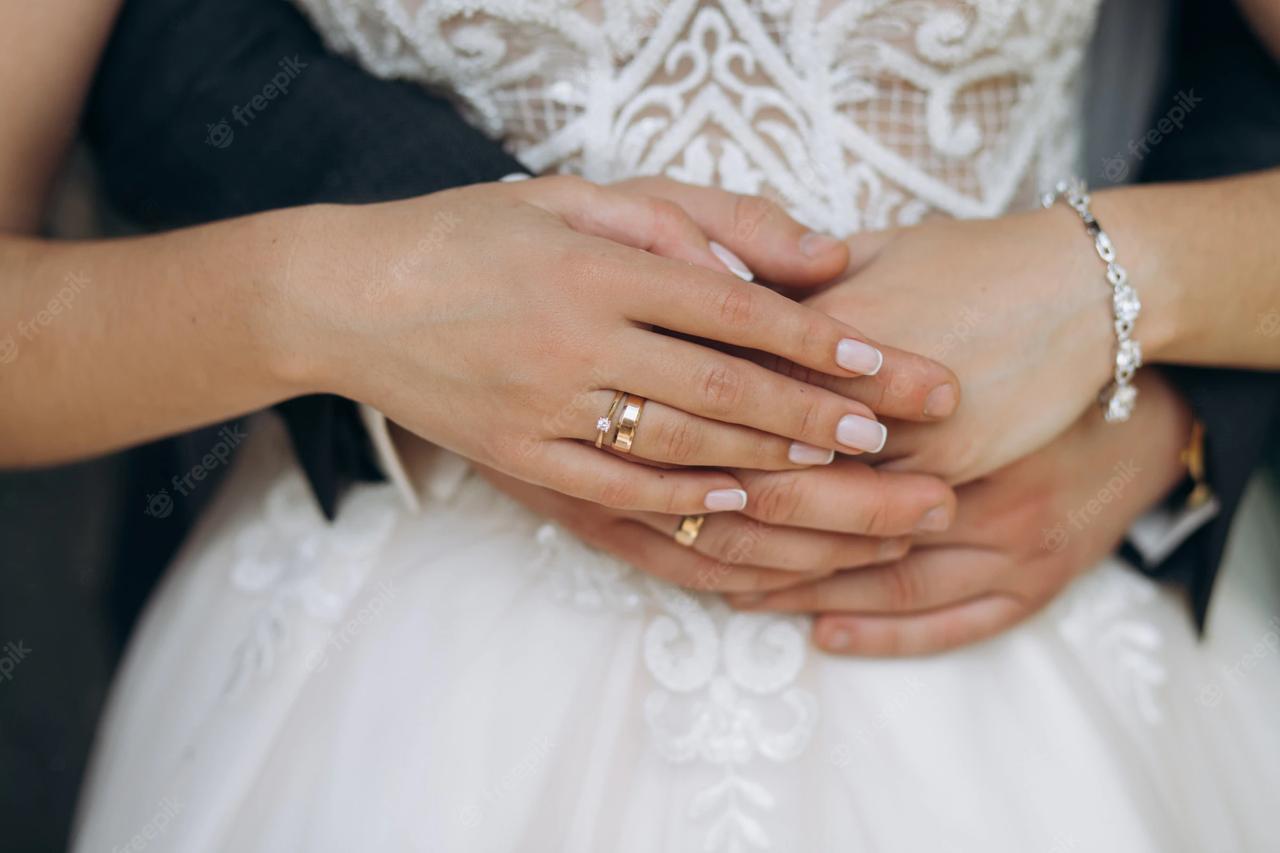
734	539
584	472
673	437
651	224
920	634
908	386
627	540
926	579
849	497
722	308
662	557
710	384
772	244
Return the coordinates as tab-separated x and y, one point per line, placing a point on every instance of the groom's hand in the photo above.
1020	536
798	526
1017	307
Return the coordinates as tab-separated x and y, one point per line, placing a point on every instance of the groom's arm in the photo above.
207	109
1234	128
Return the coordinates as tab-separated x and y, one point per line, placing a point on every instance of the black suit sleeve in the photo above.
179	139
1234	128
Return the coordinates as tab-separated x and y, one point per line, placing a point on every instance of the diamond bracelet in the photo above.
1119	397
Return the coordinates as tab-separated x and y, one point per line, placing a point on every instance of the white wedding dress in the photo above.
466	677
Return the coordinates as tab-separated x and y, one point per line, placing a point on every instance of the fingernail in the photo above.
838	640
892	549
861	433
731	261
941	401
726	500
806	454
859	357
814	244
935	520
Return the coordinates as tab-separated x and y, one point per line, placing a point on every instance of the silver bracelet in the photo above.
1119	397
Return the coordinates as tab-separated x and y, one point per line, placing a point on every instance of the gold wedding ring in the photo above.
604	425
632	409
690	527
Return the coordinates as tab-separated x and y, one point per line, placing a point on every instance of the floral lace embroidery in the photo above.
855	114
719	676
293	559
1101	617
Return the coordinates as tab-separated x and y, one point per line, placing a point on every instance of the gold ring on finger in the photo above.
604	426
628	421
690	527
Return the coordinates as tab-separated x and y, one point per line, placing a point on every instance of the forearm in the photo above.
112	343
1206	262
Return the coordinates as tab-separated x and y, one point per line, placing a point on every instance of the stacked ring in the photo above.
605	425
632	409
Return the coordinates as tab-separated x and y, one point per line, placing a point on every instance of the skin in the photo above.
277	305
149	336
1020	537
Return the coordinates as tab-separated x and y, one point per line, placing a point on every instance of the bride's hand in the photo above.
1020	536
798	526
497	320
1017	306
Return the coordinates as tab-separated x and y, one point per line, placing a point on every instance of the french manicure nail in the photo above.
935	520
731	261
941	401
806	454
861	433
813	244
839	640
726	500
858	357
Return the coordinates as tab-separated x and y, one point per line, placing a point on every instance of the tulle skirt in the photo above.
467	677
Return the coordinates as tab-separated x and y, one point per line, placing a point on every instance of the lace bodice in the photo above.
855	114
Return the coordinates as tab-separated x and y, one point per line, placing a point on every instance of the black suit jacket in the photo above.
159	115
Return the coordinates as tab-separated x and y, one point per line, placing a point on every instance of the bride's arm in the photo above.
110	343
1206	260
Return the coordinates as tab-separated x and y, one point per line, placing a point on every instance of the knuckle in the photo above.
902	588
617	492
778	501
667	215
875	511
722	388
750	213
809	418
680	440
811	337
736	306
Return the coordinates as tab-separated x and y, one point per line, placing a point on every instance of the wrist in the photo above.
289	296
1162	326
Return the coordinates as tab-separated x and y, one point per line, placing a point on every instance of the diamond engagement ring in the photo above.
604	425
